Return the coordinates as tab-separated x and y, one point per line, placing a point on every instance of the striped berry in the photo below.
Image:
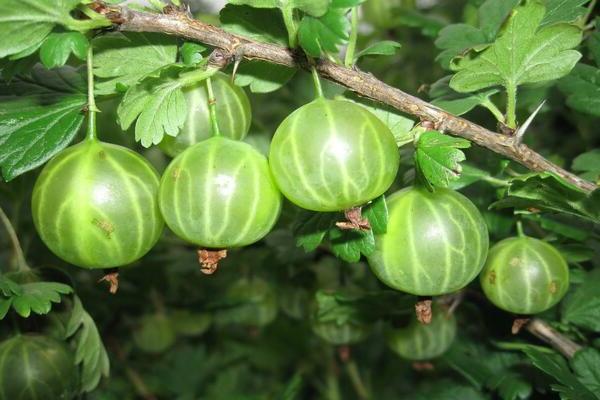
332	155
524	275
436	242
95	205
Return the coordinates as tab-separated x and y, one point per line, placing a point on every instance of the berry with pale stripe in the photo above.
524	275
233	113
36	367
341	333
332	155
95	205
219	193
436	242
419	342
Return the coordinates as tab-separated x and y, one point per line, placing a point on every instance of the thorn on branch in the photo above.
209	260
523	128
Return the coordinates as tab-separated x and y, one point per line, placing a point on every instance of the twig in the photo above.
545	332
180	24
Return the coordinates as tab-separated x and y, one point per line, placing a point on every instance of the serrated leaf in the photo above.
348	245
582	87
158	105
563	11
594	43
523	53
554	365
123	59
57	48
90	351
323	34
438	157
581	307
9	288
263	77
312	7
39	116
548	192
377	214
191	53
4	307
585	365
24	24
457	103
38	297
383	48
342	306
312	228
265	25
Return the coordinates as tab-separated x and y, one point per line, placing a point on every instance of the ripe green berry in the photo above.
233	113
341	333
436	242
95	205
187	323
420	342
524	275
154	333
219	193
252	302
332	155
36	367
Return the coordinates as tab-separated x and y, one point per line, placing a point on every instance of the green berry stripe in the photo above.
219	194
331	155
436	242
36	368
95	205
340	334
524	275
423	342
233	113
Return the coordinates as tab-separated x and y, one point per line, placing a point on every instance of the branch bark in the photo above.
546	333
179	23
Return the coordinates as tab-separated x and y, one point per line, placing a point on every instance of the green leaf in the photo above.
124	59
158	105
313	227
588	164
383	48
191	53
585	364
350	244
9	288
4	307
548	192
38	297
265	25
342	306
468	175
40	114
24	24
90	351
438	157
458	103
594	43
312	7
324	34
377	214
292	389
581	307
554	365
563	11
582	87
523	53
263	77
58	47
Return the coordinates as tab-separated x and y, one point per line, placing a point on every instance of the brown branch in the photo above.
546	333
179	23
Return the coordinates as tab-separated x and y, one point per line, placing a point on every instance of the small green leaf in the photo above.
348	245
585	364
588	164
383	48
377	214
313	227
258	24
38	297
581	307
191	53
563	11
523	53
263	77
582	87
438	157
124	59
324	34
58	47
312	7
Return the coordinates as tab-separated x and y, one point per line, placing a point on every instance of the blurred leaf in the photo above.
585	364
350	244
594	43
9	287
582	88
292	388
57	48
563	11
312	228
383	48
521	54
454	102
263	25
191	53
588	163
124	59
312	7
581	307
263	77
438	157
469	175
324	34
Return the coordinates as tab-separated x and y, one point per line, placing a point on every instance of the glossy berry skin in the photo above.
233	113
95	205
36	367
219	193
524	275
436	242
332	155
418	342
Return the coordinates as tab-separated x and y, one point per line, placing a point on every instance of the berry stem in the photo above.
520	229
92	109
317	82
17	249
349	59
290	25
212	108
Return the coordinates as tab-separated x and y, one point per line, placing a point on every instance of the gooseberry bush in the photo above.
285	199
